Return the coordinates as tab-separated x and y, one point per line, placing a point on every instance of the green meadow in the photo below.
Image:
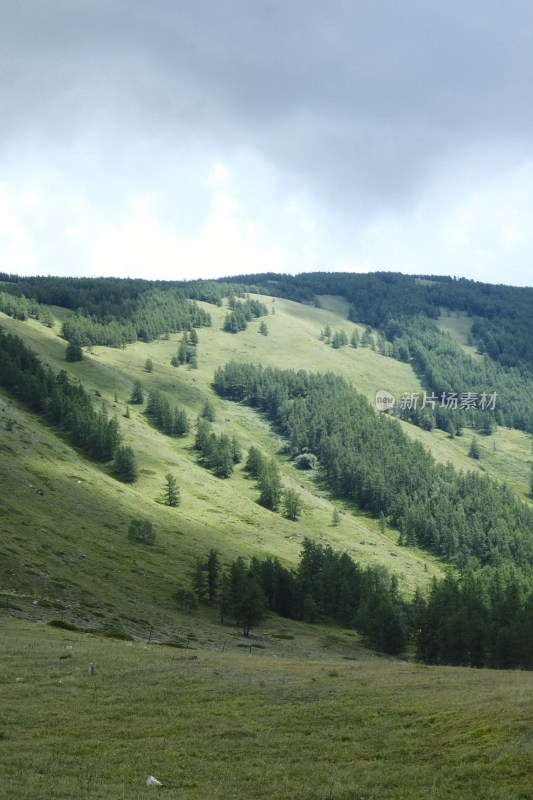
243	723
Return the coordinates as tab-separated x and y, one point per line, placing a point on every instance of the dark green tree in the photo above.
171	490
292	504
270	486
254	462
137	393
141	531
473	450
236	450
213	576
250	605
149	365
208	411
198	581
125	465
73	351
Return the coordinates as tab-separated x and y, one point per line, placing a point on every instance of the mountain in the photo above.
405	501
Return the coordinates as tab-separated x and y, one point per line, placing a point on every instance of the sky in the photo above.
179	139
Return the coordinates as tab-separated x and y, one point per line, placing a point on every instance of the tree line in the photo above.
481	619
368	460
444	367
325	584
21	308
153	314
64	404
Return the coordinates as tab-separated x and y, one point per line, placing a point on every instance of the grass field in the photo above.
247	725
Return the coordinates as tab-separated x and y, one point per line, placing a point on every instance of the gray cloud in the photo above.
363	109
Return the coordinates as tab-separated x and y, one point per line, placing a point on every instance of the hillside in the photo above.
65	549
84	513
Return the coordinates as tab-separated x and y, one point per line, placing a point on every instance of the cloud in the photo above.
294	135
140	246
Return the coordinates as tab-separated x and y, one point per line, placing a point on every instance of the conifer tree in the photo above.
473	450
171	489
137	393
212	570
254	462
125	465
73	351
208	411
292	504
270	486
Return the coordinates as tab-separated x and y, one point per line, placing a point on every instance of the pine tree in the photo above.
236	450
137	393
73	351
254	462
181	422
208	411
251	605
270	486
292	504
212	570
473	450
198	580
171	489
263	328
125	465
149	365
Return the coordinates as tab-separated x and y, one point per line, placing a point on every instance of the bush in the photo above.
305	461
141	532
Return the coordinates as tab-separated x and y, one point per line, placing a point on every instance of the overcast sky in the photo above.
201	138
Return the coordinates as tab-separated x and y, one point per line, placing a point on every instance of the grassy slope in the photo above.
75	534
236	725
366	728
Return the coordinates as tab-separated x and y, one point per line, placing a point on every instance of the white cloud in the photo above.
16	248
229	242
